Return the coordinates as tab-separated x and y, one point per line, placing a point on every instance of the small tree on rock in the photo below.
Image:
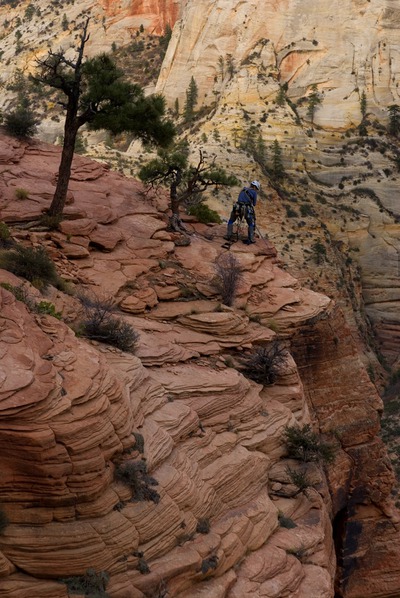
314	100
192	94
98	96
186	182
394	119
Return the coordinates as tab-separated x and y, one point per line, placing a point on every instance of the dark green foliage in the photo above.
277	169
228	277
363	104
92	584
3	521
263	364
44	307
109	102
203	526
186	182
314	100
31	263
306	210
97	95
64	22
204	214
286	522
281	96
134	474
209	564
290	212
20	123
5	236
191	100
165	39
319	251
139	445
142	566
394	119
299	479
102	325
304	444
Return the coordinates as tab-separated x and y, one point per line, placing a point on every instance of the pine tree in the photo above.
314	100
363	104
281	95
191	100
394	119
98	96
278	171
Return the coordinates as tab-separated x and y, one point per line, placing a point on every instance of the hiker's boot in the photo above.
229	232
250	240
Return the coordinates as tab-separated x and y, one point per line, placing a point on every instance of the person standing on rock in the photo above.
244	208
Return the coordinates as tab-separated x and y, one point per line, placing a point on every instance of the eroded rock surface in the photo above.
73	413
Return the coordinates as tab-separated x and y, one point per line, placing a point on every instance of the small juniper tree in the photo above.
21	122
281	95
314	100
192	94
363	104
186	182
277	170
394	119
319	251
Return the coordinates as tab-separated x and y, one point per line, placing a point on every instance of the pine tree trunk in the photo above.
64	170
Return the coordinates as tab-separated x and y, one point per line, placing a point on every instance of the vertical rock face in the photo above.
153	15
343	47
346	403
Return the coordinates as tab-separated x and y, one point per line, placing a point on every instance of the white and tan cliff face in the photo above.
342	47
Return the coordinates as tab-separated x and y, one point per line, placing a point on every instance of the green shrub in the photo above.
30	263
290	212
5	236
102	325
304	444
20	123
21	193
44	307
204	214
209	563
203	526
92	584
264	363
286	522
134	474
299	479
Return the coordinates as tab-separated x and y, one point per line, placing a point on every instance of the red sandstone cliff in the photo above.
71	411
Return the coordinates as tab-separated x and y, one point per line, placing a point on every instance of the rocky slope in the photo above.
241	57
74	413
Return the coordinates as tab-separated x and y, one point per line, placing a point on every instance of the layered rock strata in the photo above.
75	414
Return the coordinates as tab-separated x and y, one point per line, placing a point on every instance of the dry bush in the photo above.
263	364
100	323
228	277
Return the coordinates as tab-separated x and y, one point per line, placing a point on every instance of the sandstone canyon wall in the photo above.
241	55
74	412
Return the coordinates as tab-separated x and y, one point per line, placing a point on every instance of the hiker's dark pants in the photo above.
250	218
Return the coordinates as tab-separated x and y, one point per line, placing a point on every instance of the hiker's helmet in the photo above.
255	184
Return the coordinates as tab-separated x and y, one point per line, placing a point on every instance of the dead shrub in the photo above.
228	277
263	364
100	323
134	474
